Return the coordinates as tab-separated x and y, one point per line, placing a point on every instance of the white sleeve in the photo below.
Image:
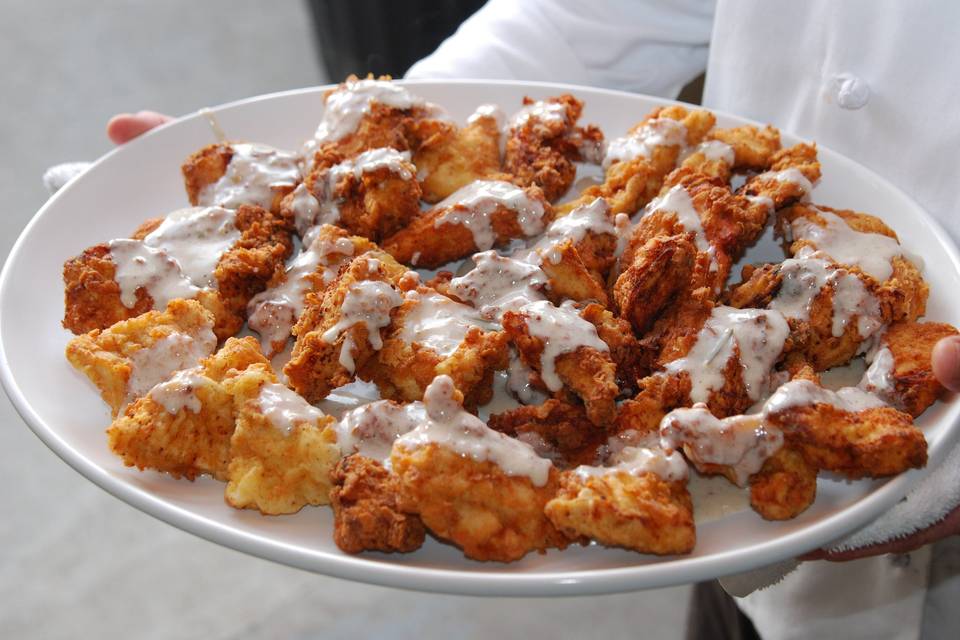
647	46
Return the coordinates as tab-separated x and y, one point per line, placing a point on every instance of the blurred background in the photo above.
76	561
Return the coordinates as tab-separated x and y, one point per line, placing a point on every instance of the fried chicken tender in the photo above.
366	517
475	505
127	359
633	180
543	143
903	376
373	194
753	148
784	487
277	468
335	339
480	216
557	430
92	295
570	278
640	512
259	175
450	157
418	346
183	426
792	173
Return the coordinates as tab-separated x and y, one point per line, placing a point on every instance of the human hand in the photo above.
124	127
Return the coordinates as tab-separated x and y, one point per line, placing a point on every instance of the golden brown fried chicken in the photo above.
557	430
340	329
183	426
94	299
450	157
365	511
791	176
127	359
753	148
281	450
784	487
481	215
569	277
229	174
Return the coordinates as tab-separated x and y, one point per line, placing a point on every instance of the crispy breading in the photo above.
366	516
625	349
803	158
315	366
206	166
914	387
753	148
92	294
429	242
109	357
449	157
562	431
184	442
640	512
570	278
270	470
475	505
784	487
657	273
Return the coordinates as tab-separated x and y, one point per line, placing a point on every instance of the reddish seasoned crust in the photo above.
784	487
654	276
911	344
475	505
627	352
570	437
450	157
92	295
571	279
365	510
434	244
205	167
642	512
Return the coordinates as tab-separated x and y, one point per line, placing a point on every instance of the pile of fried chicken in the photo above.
607	317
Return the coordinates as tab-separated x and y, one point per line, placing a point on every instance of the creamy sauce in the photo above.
589	218
519	381
253	175
540	111
791	175
180	391
498	284
347	105
369	303
448	426
678	201
154	364
473	205
659	132
712	150
878	378
439	323
285	409
370	430
668	465
178	258
274	312
872	252
760	336
742	443
491	111
562	330
802	393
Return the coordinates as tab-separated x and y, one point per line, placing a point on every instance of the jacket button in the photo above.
850	91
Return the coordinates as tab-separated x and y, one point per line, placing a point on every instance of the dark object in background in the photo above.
383	36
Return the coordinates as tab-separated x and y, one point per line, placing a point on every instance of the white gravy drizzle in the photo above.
439	323
180	391
174	352
498	284
541	111
346	106
368	302
272	313
371	429
253	175
588	218
285	408
665	132
792	175
801	393
562	330
678	201
713	150
492	111
760	335
803	279
878	378
448	426
872	252
668	465
473	205
742	442
137	265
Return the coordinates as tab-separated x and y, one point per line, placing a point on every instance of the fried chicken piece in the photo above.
791	176
564	349
366	516
273	312
753	148
450	157
543	142
373	194
229	174
183	426
637	163
625	349
901	373
127	359
475	504
94	299
555	429
340	329
477	217
569	277
784	487
280	460
432	335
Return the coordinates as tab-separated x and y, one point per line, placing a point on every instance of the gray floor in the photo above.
79	563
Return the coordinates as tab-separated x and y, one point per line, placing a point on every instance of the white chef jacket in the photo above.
874	80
